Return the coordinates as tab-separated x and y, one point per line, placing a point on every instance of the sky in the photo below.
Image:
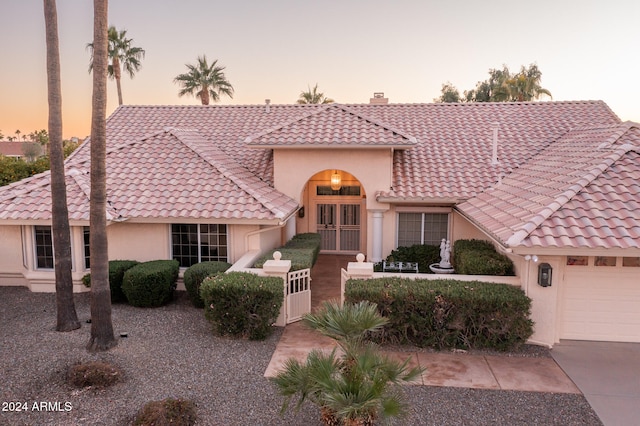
586	50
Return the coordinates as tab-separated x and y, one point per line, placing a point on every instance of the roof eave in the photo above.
328	146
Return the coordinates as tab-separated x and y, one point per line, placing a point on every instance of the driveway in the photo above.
608	374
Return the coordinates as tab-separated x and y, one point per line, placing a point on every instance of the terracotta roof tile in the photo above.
586	194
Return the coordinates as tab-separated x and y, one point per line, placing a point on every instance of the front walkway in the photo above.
442	368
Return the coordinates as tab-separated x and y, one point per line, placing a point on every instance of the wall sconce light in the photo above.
544	274
336	181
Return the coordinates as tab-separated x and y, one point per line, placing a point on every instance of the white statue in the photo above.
445	254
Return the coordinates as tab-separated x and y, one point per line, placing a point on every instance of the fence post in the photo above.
358	270
279	268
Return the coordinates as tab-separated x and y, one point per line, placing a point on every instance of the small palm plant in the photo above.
355	385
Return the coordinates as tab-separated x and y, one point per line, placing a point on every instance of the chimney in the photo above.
378	99
266	105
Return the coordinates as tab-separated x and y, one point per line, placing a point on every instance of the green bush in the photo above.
478	257
151	284
423	254
241	304
447	313
117	268
195	274
302	250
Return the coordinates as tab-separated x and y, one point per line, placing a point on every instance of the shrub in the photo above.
241	304
447	313
151	284
96	374
194	275
423	254
477	257
117	268
169	411
302	250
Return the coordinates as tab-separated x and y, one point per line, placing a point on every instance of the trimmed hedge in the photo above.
195	274
478	257
423	254
241	304
117	268
151	284
302	250
447	313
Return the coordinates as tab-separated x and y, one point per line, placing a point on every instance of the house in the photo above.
554	185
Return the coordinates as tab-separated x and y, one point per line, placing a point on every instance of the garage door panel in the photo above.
601	304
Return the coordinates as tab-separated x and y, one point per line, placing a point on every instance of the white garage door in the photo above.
601	303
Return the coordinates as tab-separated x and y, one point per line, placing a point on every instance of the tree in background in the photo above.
123	56
67	318
1	135
501	86
204	81
102	337
17	132
312	96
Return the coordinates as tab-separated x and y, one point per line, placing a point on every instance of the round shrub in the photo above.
151	284
117	268
95	374
169	411
194	276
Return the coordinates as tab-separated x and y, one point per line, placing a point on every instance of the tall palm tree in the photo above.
102	337
204	81
312	96
67	318
357	387
123	56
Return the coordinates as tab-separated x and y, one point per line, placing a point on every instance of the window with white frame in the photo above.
193	243
87	252
422	228
43	243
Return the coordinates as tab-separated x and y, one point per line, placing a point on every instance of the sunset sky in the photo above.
586	50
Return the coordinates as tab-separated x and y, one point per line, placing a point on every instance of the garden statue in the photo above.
444	267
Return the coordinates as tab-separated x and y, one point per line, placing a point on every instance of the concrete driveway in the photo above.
608	374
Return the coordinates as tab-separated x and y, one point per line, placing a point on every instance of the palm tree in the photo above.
312	96
123	56
18	134
67	318
102	337
357	387
204	81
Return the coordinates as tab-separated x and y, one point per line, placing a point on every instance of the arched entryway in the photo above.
335	208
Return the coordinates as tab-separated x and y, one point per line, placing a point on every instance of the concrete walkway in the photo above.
608	374
442	369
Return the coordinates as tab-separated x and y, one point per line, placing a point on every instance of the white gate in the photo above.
298	298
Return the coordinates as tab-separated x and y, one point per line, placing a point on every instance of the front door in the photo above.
339	226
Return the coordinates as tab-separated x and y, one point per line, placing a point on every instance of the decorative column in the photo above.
279	268
376	238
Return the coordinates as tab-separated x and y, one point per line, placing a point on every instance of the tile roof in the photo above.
11	149
581	192
173	174
332	126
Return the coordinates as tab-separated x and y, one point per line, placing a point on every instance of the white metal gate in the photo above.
298	298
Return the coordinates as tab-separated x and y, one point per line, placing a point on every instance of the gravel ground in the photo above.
170	352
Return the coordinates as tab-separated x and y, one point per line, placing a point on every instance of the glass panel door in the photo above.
326	225
349	227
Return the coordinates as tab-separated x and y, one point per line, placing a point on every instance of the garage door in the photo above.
601	303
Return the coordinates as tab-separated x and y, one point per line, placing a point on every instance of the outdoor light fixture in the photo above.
336	181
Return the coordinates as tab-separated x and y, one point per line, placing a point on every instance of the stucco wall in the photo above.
139	241
11	256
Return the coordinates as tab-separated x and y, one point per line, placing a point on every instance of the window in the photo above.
44	247
422	228
577	260
633	262
87	252
194	243
343	191
605	261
